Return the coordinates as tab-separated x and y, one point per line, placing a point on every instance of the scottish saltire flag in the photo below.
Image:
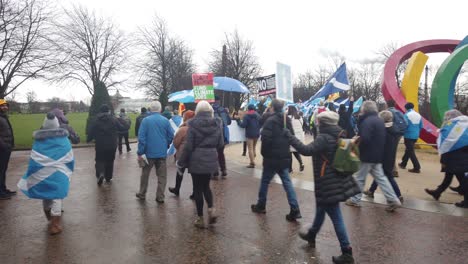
185	96
341	101
171	150
50	168
338	82
453	135
267	102
357	104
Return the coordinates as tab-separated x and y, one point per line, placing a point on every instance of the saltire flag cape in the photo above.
172	151
50	166
453	135
338	82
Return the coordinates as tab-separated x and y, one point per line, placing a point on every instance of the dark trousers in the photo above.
244	148
392	181
179	178
448	180
410	154
106	168
125	136
298	157
201	189
4	159
464	186
222	159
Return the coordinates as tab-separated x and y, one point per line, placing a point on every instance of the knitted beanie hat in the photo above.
50	122
328	118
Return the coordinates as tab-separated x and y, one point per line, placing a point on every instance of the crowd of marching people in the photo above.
199	138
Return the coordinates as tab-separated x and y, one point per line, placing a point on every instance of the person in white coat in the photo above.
297	123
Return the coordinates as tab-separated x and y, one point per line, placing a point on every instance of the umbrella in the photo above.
229	85
185	96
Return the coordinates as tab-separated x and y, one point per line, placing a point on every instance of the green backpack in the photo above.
346	159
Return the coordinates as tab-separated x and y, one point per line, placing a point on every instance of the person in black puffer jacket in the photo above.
276	160
7	143
331	187
104	132
200	156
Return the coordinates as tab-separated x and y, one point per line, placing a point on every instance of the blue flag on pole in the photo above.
338	82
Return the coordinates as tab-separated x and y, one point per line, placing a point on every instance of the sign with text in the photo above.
284	88
266	85
203	87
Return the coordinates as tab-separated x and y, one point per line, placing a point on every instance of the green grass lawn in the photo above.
25	124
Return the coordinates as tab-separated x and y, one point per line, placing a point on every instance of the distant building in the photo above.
129	104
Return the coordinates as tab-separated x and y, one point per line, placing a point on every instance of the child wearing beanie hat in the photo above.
50	122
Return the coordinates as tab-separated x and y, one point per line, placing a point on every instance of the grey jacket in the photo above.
204	138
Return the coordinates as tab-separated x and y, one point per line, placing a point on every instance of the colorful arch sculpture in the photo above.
390	88
413	72
441	86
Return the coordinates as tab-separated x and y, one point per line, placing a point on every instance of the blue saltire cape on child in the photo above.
50	166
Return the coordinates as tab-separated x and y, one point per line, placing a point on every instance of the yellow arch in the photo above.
410	82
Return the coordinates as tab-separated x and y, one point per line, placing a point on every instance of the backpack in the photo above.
346	159
399	122
125	123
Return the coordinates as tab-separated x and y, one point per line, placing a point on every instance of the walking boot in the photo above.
434	193
368	194
259	209
215	176
212	217
47	214
293	215
309	238
54	227
224	174
199	222
345	258
462	204
301	167
174	191
457	190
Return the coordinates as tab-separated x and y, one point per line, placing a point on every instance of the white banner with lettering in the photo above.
236	133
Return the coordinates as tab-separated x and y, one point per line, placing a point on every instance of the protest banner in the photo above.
203	87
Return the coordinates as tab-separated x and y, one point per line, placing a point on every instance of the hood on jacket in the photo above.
332	130
205	124
49	133
103	116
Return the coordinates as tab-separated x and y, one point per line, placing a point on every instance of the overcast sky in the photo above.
297	33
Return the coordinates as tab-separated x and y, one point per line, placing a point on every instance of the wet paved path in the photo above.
108	225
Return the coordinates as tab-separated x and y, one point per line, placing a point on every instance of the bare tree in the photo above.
167	64
366	82
385	52
461	91
25	48
238	62
93	47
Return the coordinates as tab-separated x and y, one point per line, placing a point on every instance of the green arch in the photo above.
441	85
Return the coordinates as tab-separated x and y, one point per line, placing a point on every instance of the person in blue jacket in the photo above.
154	138
415	124
251	123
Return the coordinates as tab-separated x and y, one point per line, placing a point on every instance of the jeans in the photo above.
334	213
252	145
410	154
201	188
4	159
161	172
375	169
125	136
55	206
222	159
267	176
391	179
